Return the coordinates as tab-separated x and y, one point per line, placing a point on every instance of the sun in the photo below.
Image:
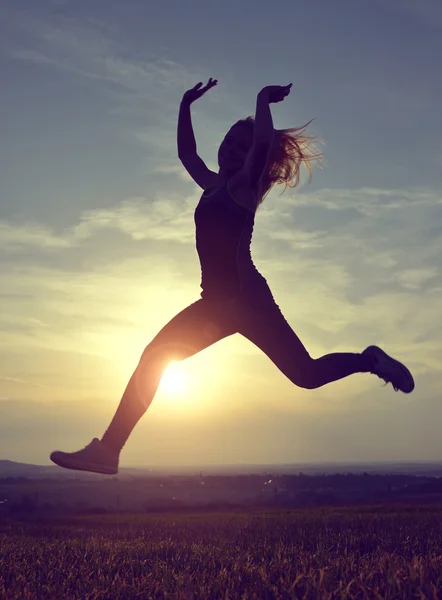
174	381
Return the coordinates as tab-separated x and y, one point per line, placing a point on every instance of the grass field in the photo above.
388	552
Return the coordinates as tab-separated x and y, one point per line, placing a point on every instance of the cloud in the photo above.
14	237
414	279
90	49
138	217
80	48
21	382
369	201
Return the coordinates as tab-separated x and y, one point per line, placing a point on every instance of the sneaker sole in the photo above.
401	367
76	465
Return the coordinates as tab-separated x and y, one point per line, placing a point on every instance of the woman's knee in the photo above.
155	355
162	353
305	375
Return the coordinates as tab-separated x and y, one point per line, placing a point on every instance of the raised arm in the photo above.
263	136
186	136
187	151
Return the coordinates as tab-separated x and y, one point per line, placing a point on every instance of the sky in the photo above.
97	240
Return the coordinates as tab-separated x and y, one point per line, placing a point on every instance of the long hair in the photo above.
291	148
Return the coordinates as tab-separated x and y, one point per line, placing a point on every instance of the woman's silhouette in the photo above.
235	297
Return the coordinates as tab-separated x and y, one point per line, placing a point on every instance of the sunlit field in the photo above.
373	552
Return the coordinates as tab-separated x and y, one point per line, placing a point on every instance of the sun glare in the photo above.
174	381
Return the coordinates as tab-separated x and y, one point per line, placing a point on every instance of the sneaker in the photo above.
390	370
95	457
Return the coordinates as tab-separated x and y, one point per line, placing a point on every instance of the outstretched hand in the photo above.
275	93
196	92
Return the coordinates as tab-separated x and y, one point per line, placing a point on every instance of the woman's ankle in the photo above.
111	444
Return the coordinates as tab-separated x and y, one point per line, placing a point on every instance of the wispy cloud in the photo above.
369	201
382	222
138	218
22	382
85	49
92	50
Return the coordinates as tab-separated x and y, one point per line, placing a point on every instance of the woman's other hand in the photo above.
196	92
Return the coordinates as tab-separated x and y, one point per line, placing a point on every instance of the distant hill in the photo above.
10	468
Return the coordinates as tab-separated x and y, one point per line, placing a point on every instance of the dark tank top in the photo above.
224	231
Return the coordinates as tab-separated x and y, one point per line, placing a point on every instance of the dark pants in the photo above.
204	323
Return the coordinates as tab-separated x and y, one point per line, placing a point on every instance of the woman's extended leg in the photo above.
198	326
267	328
195	328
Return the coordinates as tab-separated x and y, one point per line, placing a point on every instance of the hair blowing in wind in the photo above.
291	149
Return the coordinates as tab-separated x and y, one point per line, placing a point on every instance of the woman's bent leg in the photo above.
267	328
195	328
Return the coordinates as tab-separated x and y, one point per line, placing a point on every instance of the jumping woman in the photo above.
235	297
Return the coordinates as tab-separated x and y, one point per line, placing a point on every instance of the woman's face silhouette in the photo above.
234	148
